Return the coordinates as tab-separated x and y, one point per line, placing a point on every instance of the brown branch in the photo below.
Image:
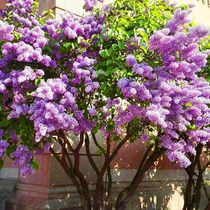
145	155
68	171
77	150
118	147
81	141
98	195
79	174
126	194
109	159
109	189
90	159
76	161
189	192
97	144
109	170
197	190
63	159
63	137
73	172
107	155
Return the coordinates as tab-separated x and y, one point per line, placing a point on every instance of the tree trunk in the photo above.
188	192
127	194
86	203
192	193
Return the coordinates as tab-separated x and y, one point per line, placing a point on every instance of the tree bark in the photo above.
127	194
188	191
192	193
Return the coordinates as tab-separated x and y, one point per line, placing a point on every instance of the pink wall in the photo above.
2	4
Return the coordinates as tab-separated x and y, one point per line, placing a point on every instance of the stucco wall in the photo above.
2	4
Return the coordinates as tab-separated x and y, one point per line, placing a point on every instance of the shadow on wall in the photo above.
153	194
163	195
50	188
156	192
158	199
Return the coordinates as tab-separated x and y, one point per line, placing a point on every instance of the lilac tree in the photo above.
116	71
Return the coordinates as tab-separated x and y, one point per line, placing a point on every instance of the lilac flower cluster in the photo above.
172	96
107	112
22	7
134	44
25	21
142	69
65	95
125	116
133	89
85	27
49	98
51	111
90	4
15	78
20	82
34	36
6	31
184	44
179	19
23	52
21	12
23	158
3	147
84	73
52	28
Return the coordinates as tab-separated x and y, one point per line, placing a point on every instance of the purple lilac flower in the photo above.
6	31
90	4
130	60
144	137
3	147
171	96
23	158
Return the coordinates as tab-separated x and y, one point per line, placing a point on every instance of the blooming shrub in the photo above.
114	71
175	98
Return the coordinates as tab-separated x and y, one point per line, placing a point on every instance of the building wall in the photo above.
46	5
201	11
2	4
60	6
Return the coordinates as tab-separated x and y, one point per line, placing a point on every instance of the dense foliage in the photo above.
122	71
48	83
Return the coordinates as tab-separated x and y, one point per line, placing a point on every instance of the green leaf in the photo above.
4	123
104	53
17	35
109	61
96	129
35	165
28	93
67	45
121	45
10	149
38	81
188	104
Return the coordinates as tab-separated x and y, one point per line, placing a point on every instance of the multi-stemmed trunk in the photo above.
101	197
128	193
192	194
